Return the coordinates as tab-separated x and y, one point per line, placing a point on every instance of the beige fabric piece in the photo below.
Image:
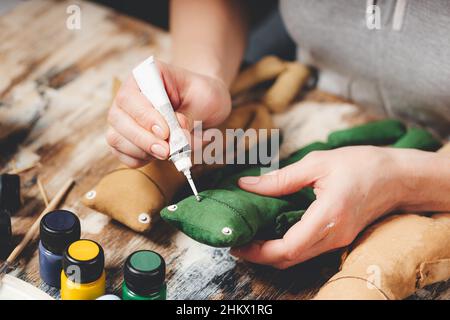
445	149
394	258
128	196
267	68
134	197
349	288
432	272
389	257
286	87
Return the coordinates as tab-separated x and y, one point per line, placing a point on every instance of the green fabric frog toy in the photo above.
228	216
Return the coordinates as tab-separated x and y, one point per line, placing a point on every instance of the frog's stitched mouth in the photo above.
238	212
214	234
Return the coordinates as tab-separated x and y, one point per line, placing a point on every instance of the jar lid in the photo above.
58	229
83	261
144	272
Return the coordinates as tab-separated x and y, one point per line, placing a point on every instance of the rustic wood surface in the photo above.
55	84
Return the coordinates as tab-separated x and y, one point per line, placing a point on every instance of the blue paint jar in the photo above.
58	229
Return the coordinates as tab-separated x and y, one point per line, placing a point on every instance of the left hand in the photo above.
354	186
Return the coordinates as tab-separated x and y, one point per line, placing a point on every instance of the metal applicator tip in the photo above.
192	185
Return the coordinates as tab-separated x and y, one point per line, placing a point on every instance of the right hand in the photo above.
137	131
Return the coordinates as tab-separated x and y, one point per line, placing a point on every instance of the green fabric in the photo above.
286	220
378	133
418	138
296	156
228	216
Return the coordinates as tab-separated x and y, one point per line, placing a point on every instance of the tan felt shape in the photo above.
267	68
128	196
394	258
286	87
389	257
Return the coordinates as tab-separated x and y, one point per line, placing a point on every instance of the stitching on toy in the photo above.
240	214
203	229
149	178
359	278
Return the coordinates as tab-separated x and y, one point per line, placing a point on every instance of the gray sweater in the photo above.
399	67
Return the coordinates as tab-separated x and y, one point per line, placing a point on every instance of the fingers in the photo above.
262	252
332	240
284	181
325	245
121	144
124	125
196	96
136	105
186	123
127	160
298	244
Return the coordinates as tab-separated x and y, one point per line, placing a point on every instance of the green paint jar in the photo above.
144	276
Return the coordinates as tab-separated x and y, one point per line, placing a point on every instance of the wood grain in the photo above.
57	83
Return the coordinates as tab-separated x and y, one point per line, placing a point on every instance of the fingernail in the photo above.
159	151
249	180
158	131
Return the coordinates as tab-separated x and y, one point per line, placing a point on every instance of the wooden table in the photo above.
60	80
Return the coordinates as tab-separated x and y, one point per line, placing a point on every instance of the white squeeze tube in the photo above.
149	80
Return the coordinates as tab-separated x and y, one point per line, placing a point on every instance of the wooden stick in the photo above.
24	169
14	164
30	234
42	191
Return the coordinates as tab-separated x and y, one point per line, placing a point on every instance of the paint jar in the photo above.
83	274
10	192
108	297
144	276
5	234
58	229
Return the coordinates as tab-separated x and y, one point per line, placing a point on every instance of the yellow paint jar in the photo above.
83	274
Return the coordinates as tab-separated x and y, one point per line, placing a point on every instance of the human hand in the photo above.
138	133
353	185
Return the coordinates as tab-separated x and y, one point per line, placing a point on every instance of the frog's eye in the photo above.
227	231
172	207
91	195
144	218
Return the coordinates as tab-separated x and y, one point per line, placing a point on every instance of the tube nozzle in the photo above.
187	173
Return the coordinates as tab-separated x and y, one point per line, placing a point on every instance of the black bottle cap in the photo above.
5	234
58	229
83	261
10	192
144	272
